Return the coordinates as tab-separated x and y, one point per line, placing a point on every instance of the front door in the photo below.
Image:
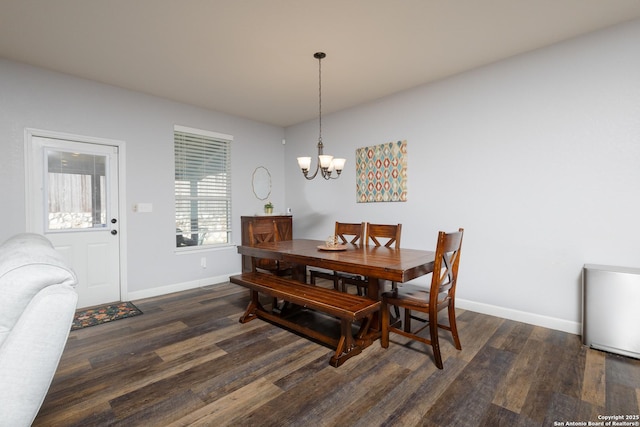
73	197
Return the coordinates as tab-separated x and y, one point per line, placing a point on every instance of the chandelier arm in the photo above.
310	177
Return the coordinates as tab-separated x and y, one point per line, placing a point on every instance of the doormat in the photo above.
103	314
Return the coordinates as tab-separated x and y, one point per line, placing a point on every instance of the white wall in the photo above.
537	157
35	98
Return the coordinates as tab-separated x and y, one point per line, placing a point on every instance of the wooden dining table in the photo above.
376	263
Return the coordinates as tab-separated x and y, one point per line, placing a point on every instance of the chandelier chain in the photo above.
320	98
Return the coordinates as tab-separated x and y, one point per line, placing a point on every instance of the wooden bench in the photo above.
346	307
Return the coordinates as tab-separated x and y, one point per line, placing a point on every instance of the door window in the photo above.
76	190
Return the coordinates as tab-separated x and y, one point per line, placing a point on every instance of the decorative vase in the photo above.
268	210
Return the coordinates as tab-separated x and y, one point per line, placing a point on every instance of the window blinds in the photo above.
202	187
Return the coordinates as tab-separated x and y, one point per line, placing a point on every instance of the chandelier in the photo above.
326	164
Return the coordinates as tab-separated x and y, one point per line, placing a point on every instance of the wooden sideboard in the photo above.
285	229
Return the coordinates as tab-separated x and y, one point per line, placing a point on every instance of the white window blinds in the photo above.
202	187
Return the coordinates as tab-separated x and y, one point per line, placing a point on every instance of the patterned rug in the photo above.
103	314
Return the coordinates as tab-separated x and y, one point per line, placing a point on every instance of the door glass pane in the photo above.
76	190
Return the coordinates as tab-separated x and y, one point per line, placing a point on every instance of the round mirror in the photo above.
261	183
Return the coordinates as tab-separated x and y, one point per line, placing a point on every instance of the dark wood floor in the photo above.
187	361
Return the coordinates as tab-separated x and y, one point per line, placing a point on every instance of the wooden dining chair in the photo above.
438	296
387	235
346	233
267	231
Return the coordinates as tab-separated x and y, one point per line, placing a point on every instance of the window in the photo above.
202	187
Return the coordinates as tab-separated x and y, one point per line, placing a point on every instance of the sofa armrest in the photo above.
30	354
28	264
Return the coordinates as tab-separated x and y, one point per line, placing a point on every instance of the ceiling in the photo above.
254	58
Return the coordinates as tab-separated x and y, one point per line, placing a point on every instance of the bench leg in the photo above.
346	346
365	327
252	308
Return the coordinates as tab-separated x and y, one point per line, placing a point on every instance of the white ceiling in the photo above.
254	58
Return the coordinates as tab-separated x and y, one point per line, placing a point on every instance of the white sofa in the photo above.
38	301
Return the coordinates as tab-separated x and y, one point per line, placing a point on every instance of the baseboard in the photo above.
177	287
521	316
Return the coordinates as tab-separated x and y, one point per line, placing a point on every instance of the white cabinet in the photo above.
611	309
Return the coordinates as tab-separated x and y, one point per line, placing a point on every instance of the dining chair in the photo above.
346	233
267	231
430	300
387	235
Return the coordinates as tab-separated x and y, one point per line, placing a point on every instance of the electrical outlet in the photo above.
203	262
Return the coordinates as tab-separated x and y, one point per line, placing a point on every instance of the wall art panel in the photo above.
381	173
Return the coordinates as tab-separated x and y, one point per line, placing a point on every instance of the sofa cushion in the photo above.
28	264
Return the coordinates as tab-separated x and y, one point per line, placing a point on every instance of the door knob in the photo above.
114	232
113	220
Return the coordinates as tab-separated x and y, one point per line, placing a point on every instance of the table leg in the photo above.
299	273
370	327
376	287
373	288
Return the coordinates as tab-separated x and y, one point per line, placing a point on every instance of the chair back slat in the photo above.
384	235
350	232
445	269
263	231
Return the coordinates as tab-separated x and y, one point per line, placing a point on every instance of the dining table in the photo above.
376	263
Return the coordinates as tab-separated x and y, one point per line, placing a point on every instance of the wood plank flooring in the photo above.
187	361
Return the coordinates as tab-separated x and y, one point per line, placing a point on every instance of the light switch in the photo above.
143	207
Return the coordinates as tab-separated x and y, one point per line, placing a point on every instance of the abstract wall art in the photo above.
381	173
